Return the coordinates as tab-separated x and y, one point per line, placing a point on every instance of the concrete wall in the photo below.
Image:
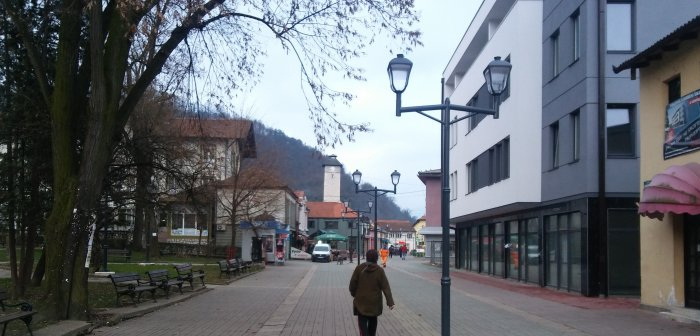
433	196
518	36
661	242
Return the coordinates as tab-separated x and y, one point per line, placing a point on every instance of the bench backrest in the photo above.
223	265
183	269
119	278
158	275
118	252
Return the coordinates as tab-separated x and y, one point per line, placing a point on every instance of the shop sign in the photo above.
682	133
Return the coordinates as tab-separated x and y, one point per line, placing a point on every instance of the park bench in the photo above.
162	280
130	284
244	265
185	273
119	253
228	268
24	314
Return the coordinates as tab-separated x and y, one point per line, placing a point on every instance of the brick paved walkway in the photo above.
304	298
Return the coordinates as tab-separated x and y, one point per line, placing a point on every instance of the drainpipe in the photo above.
602	157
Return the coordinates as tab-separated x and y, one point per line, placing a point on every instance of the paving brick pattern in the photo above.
304	298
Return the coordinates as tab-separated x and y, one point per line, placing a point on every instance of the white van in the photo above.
321	252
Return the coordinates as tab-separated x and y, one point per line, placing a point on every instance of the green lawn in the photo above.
101	293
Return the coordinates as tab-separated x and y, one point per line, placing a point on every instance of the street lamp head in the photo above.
395	176
370	204
399	70
356	177
496	75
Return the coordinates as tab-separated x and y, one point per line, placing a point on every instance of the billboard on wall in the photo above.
682	133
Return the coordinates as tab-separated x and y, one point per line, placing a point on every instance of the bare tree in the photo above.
90	104
248	194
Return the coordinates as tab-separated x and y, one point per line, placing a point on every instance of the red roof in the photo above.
325	209
211	128
394	225
214	129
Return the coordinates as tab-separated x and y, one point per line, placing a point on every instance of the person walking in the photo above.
404	251
367	284
384	253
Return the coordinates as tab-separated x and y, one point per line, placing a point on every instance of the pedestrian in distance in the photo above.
404	251
384	253
400	252
367	284
391	251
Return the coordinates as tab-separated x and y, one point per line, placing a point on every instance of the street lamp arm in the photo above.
378	192
421	109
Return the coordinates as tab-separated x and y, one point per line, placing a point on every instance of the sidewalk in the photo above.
113	316
304	298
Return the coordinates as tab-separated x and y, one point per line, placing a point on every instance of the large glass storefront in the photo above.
505	249
557	246
563	251
522	250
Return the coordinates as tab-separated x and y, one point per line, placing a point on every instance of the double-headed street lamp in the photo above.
496	75
357	178
359	213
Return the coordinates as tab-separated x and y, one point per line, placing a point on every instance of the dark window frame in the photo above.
631	137
576	135
630	3
555	53
576	34
554	145
673	86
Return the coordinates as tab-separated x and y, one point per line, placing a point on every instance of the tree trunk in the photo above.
39	270
143	158
65	111
32	219
11	215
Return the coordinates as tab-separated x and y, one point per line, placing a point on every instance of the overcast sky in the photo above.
410	143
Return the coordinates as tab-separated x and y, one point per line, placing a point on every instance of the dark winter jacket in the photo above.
367	283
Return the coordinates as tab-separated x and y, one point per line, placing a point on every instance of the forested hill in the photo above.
300	166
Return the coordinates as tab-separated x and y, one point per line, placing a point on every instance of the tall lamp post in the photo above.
496	75
359	214
357	178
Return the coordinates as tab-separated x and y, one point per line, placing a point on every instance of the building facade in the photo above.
398	232
431	231
669	111
547	193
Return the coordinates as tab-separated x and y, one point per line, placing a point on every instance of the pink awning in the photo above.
676	190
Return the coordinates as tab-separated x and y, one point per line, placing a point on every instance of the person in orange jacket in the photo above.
384	253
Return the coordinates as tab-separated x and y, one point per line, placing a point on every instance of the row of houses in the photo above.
549	193
228	210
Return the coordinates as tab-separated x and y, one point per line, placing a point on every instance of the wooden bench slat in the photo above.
161	279
25	314
185	273
132	285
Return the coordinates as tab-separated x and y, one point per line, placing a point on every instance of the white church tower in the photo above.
332	172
